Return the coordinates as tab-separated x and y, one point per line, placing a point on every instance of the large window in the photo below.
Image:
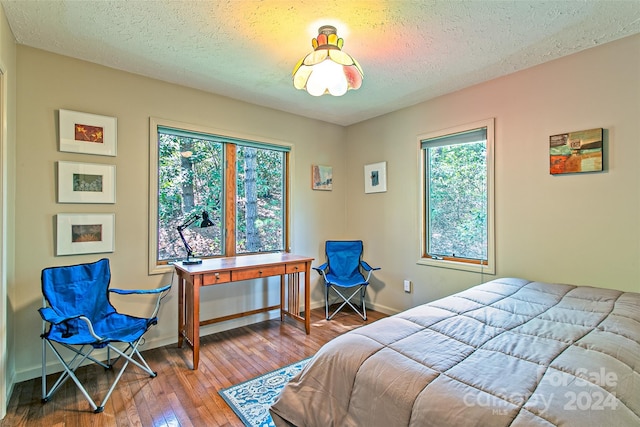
457	178
241	184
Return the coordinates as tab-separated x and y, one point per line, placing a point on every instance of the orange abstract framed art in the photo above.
576	152
87	133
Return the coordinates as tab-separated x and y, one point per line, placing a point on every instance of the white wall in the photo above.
50	82
580	229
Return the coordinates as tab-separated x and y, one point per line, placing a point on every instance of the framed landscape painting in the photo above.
87	133
321	177
84	233
86	183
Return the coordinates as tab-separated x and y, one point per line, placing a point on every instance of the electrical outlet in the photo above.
407	286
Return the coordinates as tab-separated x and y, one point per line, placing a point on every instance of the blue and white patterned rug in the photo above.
251	399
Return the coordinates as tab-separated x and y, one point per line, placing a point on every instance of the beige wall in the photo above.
581	229
7	210
49	82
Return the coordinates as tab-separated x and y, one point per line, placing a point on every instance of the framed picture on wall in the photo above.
84	233
86	183
575	152
321	177
87	133
375	177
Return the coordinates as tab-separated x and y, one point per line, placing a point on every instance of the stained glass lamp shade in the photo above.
327	69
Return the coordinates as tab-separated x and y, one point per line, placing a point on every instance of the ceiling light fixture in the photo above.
327	69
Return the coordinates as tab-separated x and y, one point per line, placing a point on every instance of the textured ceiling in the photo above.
411	51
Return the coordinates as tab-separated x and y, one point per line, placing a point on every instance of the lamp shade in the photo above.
206	222
327	69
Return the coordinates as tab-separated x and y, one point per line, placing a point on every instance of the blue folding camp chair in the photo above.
80	317
342	273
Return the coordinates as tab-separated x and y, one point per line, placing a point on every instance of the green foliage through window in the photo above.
456	196
191	179
260	201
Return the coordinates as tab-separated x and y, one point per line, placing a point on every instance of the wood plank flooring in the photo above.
179	396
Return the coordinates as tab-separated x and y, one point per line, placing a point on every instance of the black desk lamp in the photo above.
206	222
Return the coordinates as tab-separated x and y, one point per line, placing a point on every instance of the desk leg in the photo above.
282	296
307	299
180	308
195	320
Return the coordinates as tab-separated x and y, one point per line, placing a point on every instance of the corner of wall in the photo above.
7	213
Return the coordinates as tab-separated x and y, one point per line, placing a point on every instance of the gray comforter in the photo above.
509	352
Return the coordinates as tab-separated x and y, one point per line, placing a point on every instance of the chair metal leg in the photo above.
79	358
347	301
128	358
364	307
134	351
326	303
71	366
69	372
44	371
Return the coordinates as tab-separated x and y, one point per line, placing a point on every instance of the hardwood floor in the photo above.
179	396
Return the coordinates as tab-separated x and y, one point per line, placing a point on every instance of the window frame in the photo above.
452	262
161	267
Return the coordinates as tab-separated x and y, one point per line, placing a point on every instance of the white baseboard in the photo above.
382	309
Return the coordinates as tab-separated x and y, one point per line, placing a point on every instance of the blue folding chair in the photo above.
342	273
80	318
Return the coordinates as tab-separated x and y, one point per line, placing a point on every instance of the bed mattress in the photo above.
509	352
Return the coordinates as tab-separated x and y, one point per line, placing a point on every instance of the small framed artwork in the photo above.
375	177
87	133
86	183
321	177
576	152
84	233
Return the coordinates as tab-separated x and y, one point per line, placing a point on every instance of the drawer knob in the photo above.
260	272
217	275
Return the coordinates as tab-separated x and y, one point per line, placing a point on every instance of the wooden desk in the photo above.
233	269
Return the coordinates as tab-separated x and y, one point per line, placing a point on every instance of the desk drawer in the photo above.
214	278
297	267
258	272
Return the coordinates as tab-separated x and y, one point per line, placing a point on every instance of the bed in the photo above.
509	352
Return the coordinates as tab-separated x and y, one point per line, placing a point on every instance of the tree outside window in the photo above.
457	184
457	201
260	200
247	201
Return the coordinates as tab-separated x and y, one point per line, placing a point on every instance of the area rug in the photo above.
251	399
